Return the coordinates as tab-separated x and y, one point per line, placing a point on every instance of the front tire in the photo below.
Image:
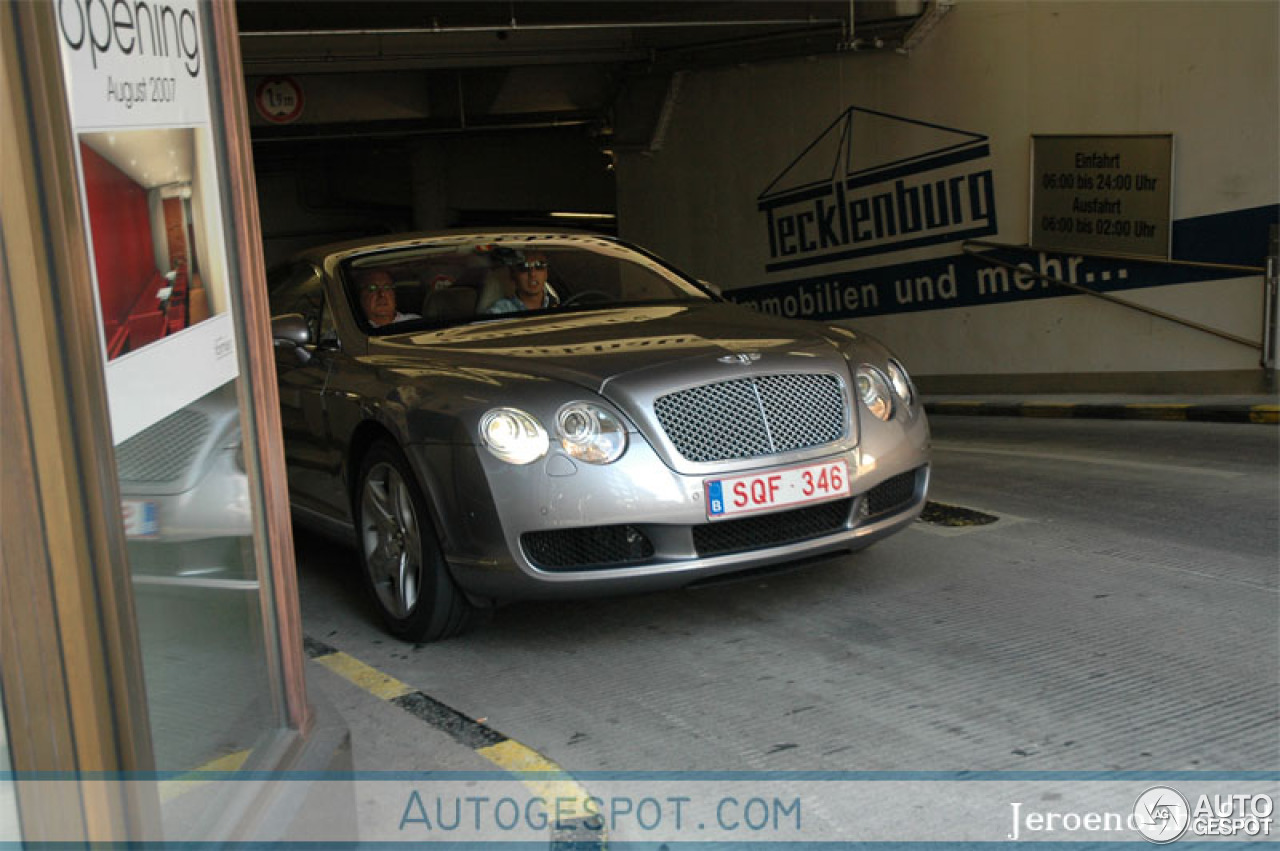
403	566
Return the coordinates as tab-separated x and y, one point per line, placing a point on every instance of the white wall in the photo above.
210	247
159	233
1207	72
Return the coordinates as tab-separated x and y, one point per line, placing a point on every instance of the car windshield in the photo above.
430	284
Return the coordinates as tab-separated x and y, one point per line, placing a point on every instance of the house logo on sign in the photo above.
873	183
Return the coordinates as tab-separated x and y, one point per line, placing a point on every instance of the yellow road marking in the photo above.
567	798
1265	414
570	799
170	789
370	679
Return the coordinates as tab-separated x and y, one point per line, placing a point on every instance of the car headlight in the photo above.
513	436
901	381
590	433
873	390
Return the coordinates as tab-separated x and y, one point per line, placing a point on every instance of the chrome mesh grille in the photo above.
749	417
163	452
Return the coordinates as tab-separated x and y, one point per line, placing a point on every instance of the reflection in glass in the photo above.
145	194
188	522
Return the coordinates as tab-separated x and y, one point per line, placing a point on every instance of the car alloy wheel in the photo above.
404	567
391	540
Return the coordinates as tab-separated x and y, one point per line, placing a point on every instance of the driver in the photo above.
377	293
529	274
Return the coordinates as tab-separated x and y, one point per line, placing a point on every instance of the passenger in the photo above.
529	274
378	297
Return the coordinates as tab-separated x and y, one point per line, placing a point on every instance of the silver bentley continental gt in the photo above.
499	415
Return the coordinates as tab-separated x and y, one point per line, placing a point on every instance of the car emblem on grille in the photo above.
740	357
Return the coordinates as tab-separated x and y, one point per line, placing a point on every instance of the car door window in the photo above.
327	334
298	288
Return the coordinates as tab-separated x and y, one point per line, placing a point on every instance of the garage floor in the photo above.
1120	615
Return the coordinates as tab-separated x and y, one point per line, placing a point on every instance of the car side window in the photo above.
328	332
297	288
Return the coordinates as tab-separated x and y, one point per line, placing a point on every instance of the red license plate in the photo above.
777	489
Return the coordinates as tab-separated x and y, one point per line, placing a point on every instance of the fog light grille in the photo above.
891	494
588	547
771	530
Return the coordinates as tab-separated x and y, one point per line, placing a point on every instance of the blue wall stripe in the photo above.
960	280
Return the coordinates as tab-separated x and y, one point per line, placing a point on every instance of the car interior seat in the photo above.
497	281
408	293
455	302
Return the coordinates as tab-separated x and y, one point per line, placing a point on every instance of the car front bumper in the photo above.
557	528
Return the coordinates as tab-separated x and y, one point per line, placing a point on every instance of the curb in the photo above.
1258	414
582	830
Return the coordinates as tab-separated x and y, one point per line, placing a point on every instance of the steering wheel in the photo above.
585	294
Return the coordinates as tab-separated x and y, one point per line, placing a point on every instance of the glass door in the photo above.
149	607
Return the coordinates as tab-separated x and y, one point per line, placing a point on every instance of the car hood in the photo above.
593	348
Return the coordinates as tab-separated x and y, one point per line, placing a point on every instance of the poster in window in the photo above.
138	90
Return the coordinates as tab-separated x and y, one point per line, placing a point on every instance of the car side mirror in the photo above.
291	331
715	289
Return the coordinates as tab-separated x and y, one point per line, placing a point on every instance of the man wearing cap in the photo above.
529	274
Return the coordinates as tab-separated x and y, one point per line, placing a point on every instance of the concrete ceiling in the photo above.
156	157
283	33
609	66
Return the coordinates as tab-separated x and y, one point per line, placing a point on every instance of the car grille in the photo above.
890	494
599	546
163	452
750	417
771	530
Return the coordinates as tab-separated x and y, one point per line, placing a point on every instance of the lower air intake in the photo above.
771	530
591	547
891	494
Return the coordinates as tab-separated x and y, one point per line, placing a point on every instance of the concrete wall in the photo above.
310	192
378	152
988	78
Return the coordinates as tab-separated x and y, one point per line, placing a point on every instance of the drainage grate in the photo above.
941	514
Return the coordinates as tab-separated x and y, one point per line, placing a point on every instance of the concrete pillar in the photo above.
430	166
